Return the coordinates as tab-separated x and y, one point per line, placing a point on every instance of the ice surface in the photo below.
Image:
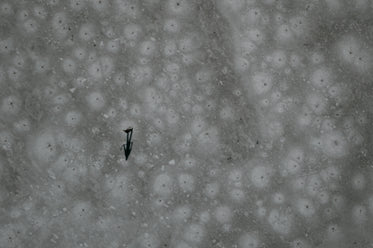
251	123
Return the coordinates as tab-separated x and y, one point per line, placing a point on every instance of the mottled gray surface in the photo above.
252	123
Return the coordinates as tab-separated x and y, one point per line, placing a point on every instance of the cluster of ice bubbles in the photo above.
319	114
290	89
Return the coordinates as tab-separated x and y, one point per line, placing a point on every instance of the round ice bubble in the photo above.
299	183
113	46
77	5
117	186
305	207
260	176
333	232
194	233
317	103
204	75
42	64
132	31
198	125
334	144
299	243
330	173
223	214
348	48
295	61
87	31
19	60
237	195
314	185
79	53
323	197
212	189
23	125
189	43
182	213
6	45
179	8
30	26
95	100
338	201
278	59
99	5
317	58
60	24
328	125
256	35
284	33
235	177
363	60
262	82
322	77
73	118
6	9
359	214
44	146
280	222
6	140
358	181
22	15
163	185
291	166
186	182
278	198
148	48
69	65
299	25
227	113
169	48
172	25
241	64
11	105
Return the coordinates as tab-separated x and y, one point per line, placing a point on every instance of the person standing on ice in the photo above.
128	146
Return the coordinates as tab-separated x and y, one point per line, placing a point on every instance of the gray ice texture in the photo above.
252	123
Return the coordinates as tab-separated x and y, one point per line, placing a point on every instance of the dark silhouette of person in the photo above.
128	146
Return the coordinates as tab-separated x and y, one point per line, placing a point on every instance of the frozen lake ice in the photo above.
251	123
